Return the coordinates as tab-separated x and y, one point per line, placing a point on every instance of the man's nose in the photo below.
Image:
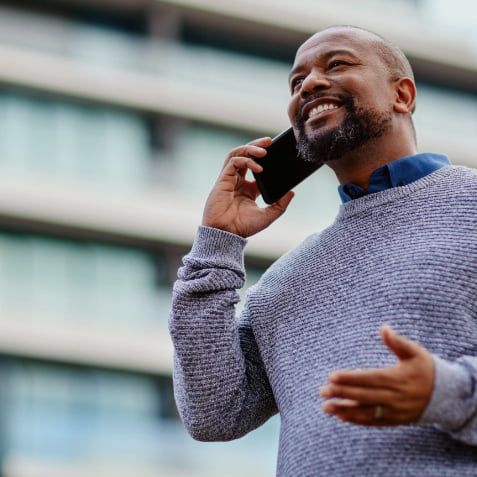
315	81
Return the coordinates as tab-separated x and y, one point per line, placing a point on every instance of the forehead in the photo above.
344	40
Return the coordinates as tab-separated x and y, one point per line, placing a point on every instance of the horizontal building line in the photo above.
148	351
26	464
142	215
418	37
144	92
154	94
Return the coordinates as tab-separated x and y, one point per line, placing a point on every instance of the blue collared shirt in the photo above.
397	173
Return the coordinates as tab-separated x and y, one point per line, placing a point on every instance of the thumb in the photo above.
275	210
402	347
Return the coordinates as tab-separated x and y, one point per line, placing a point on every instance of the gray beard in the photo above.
358	128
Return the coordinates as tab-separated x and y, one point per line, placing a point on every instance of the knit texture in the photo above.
406	256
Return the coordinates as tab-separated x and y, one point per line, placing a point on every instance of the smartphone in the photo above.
283	168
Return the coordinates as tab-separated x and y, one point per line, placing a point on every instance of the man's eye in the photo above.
295	83
336	63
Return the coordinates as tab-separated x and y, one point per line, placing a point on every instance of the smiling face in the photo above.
342	93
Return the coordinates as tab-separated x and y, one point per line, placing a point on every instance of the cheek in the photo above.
292	110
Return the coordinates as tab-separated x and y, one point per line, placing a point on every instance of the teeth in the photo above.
322	107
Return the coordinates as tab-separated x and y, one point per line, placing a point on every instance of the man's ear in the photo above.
405	98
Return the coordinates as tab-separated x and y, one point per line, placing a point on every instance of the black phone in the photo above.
283	168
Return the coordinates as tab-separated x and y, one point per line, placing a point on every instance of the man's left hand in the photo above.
390	396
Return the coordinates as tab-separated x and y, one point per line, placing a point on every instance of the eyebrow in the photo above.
326	56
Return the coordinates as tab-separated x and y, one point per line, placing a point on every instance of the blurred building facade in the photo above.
115	117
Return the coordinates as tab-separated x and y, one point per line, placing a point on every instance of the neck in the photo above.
357	166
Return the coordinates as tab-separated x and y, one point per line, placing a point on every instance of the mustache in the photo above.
346	99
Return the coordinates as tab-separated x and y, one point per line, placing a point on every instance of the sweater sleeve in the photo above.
221	388
453	404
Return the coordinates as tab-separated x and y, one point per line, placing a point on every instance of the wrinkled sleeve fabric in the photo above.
453	404
221	388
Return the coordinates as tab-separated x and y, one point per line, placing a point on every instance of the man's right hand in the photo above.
231	204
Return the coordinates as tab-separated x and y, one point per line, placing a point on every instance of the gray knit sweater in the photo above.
406	256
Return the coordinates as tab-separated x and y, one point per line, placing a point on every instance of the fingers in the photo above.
274	211
231	204
372	378
375	409
240	165
240	159
353	412
398	344
402	347
400	393
366	396
256	148
367	378
261	141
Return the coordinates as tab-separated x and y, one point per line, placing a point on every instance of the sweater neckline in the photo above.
356	206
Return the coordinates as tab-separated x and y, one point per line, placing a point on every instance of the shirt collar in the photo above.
396	174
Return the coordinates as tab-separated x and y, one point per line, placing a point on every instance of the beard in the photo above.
359	127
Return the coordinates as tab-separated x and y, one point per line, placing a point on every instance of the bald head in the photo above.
392	56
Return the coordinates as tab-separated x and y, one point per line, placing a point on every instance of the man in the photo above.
401	255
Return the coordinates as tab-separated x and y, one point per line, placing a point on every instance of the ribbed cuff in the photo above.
223	249
449	406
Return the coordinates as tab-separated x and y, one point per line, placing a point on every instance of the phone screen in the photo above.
283	169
